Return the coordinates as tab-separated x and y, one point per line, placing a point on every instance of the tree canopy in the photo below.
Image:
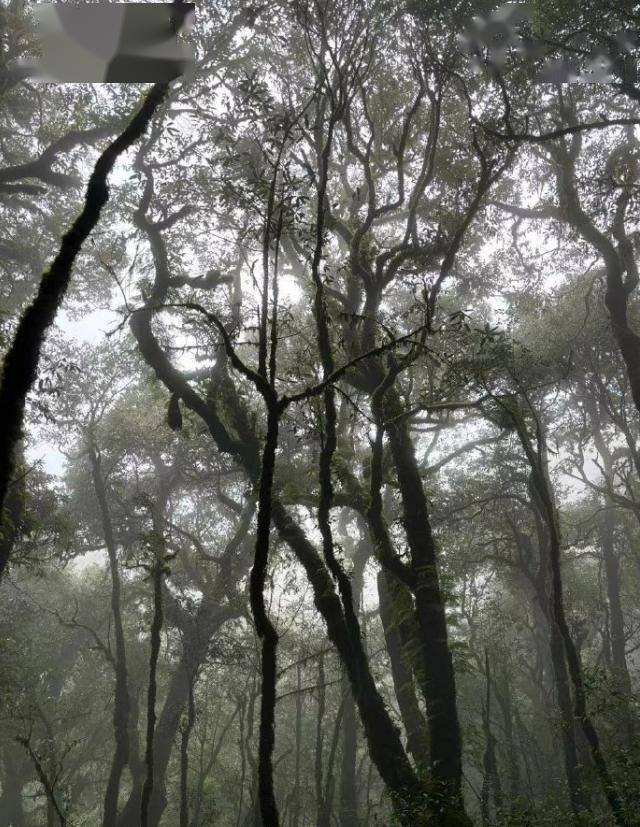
320	394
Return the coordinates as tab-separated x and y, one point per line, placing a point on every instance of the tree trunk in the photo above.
13	509
322	816
348	786
184	756
265	629
11	806
619	668
243	766
157	574
382	736
121	703
329	785
295	809
491	785
393	599
543	614
544	501
502	691
130	813
252	817
616	636
439	685
575	781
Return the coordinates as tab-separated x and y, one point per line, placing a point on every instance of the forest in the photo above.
320	423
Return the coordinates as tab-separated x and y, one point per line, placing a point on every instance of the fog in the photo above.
319	418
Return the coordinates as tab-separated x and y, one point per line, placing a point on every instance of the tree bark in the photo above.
392	607
184	756
265	629
619	667
491	785
13	510
573	769
502	690
544	500
329	784
295	815
553	646
157	575
439	688
348	784
11	805
322	816
121	702
606	527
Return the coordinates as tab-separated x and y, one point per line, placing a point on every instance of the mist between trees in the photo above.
347	530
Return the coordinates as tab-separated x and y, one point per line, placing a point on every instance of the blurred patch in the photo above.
494	37
508	30
111	43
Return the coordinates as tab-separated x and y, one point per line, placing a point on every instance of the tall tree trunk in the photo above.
553	647
13	509
619	668
611	559
11	805
243	766
322	817
544	500
491	784
252	816
329	784
348	789
393	599
439	688
295	809
348	786
157	576
422	577
184	756
265	629
502	691
130	814
121	704
575	780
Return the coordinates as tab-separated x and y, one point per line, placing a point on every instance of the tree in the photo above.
324	496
